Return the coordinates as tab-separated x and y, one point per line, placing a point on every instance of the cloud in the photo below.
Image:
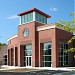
12	17
53	9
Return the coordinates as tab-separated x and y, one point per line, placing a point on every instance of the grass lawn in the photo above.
19	70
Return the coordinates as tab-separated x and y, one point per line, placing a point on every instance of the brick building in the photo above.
38	44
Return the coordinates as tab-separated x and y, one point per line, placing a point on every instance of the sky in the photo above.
9	21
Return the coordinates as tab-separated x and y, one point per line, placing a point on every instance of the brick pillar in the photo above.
54	50
20	55
40	55
8	57
15	56
12	56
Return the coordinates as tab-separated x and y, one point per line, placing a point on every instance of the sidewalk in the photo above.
5	67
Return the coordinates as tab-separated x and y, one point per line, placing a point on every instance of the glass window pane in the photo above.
63	57
67	46
22	19
61	64
36	16
31	16
25	18
47	58
66	63
61	53
40	18
48	52
45	20
29	61
28	50
43	58
47	64
28	47
43	64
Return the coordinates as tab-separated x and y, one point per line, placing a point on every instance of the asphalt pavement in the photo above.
40	72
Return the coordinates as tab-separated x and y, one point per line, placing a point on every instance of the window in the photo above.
22	19
45	20
64	58
40	18
46	54
29	17
26	18
27	52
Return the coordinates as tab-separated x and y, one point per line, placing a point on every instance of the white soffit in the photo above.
46	27
12	37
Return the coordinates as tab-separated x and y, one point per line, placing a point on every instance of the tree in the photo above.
2	44
70	27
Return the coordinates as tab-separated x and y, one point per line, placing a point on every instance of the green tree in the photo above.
70	27
2	44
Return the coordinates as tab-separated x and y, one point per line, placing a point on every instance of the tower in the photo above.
33	15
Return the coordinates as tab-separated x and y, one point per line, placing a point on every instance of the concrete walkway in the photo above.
5	67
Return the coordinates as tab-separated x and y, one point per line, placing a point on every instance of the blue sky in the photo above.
57	9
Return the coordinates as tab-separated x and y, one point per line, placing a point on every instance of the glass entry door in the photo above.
28	61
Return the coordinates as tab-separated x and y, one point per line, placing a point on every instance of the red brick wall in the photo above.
55	36
36	38
13	43
62	36
32	38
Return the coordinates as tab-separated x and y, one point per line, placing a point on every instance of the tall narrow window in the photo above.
64	58
26	18
46	54
40	18
22	19
28	55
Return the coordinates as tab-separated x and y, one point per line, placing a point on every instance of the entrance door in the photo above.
28	61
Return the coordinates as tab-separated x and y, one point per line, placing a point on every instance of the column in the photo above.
20	55
55	49
15	56
8	55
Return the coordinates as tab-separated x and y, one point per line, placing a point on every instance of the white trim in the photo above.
28	61
46	27
14	36
32	21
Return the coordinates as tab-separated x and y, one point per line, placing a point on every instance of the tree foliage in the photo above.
2	44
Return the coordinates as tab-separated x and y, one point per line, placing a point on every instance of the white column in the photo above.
20	20
34	16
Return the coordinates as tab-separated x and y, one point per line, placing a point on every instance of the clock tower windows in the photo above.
33	15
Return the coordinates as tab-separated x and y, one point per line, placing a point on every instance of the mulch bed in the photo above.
18	70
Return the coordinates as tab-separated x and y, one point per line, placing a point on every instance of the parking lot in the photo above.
40	72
